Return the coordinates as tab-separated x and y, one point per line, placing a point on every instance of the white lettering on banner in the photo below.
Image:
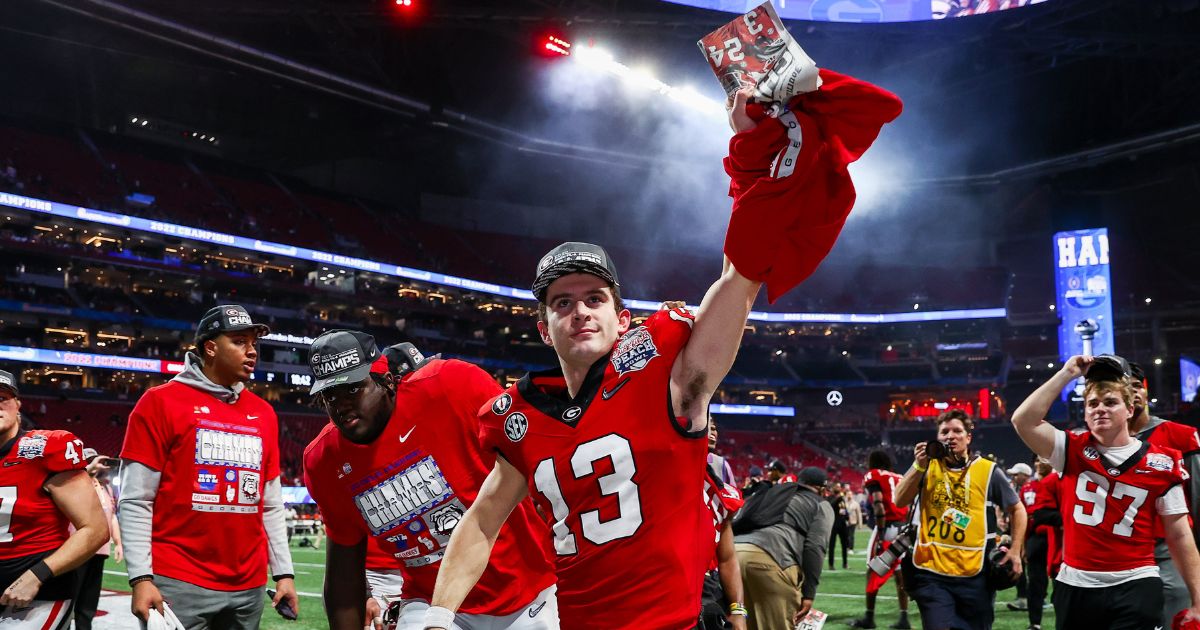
218	448
283	250
188	232
103	217
403	496
17	201
1082	251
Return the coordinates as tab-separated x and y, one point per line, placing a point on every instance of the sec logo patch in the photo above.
515	426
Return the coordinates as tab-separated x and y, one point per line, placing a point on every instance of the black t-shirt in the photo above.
840	513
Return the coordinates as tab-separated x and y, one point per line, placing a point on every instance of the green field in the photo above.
840	595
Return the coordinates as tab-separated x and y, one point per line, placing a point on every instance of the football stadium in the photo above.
362	313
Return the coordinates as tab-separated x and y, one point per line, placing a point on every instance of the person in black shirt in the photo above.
841	527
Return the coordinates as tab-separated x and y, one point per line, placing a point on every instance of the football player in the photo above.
401	463
43	488
1186	440
880	484
1113	487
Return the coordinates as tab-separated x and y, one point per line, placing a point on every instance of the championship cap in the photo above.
344	356
777	466
813	476
573	257
8	381
1108	367
89	454
1020	468
224	319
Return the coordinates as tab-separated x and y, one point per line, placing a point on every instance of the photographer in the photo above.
954	525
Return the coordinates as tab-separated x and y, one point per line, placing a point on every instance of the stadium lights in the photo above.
601	60
556	45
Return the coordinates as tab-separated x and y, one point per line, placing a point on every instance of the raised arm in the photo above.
713	345
910	483
1030	418
473	538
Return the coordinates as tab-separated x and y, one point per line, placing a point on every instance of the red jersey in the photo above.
410	487
1174	435
885	481
1039	494
622	477
724	500
30	522
1108	510
215	459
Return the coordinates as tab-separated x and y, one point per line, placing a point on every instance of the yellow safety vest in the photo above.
952	519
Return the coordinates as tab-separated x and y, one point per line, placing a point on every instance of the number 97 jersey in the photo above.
619	479
30	522
1109	508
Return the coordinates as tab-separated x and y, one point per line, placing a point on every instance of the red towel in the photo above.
791	190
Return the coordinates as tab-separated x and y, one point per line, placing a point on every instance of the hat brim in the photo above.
355	375
11	388
542	283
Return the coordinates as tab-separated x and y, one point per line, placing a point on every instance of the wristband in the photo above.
917	467
738	610
141	578
41	571
282	576
438	617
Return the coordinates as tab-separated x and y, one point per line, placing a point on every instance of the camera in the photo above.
936	450
882	563
1000	575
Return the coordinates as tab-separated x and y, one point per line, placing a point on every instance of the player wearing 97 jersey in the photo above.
43	487
1111	489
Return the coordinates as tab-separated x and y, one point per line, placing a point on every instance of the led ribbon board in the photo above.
123	221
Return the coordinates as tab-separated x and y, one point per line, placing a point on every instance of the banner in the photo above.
1189	378
866	11
1083	290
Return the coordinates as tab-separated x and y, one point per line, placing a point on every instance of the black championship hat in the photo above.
1109	367
9	382
1138	374
813	476
224	319
573	257
343	356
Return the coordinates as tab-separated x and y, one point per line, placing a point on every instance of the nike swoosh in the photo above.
250	417
537	609
609	393
404	438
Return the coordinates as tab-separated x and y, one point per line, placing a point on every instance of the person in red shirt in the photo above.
1113	487
723	598
880	484
400	463
1185	439
200	489
1043	544
608	444
43	488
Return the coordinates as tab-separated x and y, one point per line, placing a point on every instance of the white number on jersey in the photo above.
1097	499
619	482
8	500
74	451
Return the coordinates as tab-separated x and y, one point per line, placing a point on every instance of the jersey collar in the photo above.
1130	462
6	448
562	407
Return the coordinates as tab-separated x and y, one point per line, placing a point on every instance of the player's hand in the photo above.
1014	559
877	548
739	120
145	597
671	305
805	608
1193	614
1078	365
22	591
919	454
374	614
118	552
285	590
737	621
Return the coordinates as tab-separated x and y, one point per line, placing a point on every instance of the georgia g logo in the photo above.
515	426
501	405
